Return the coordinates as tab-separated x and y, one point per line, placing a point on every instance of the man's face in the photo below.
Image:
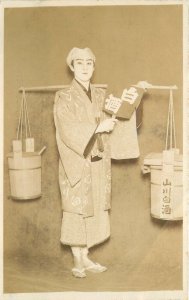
83	67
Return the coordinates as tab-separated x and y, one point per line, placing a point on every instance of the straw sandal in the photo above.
96	268
78	273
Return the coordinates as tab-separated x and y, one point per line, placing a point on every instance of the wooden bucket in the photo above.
174	212
25	175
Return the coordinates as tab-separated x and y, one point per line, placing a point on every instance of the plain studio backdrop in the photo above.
131	43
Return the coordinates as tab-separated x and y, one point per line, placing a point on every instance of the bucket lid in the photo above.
157	159
24	154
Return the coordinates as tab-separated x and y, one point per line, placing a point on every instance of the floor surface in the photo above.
27	275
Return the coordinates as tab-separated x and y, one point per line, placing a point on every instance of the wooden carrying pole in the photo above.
55	88
161	87
52	88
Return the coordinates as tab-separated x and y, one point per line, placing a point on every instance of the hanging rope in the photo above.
171	119
168	122
174	128
23	119
27	118
20	118
171	132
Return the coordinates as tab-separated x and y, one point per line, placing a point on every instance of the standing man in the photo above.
82	133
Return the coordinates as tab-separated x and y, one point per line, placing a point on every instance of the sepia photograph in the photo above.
93	190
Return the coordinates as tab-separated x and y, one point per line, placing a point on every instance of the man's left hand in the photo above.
144	85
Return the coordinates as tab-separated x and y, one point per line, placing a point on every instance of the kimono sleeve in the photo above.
76	134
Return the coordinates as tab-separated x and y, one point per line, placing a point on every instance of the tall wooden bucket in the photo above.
25	175
165	210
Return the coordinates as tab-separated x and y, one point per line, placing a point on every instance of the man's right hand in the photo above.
106	125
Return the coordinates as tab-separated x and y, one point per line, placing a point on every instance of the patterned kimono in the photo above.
85	184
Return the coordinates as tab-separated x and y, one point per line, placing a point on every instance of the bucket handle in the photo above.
42	150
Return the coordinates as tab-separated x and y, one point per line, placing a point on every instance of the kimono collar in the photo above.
87	92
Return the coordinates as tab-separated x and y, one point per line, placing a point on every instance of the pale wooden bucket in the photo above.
25	175
153	163
177	198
